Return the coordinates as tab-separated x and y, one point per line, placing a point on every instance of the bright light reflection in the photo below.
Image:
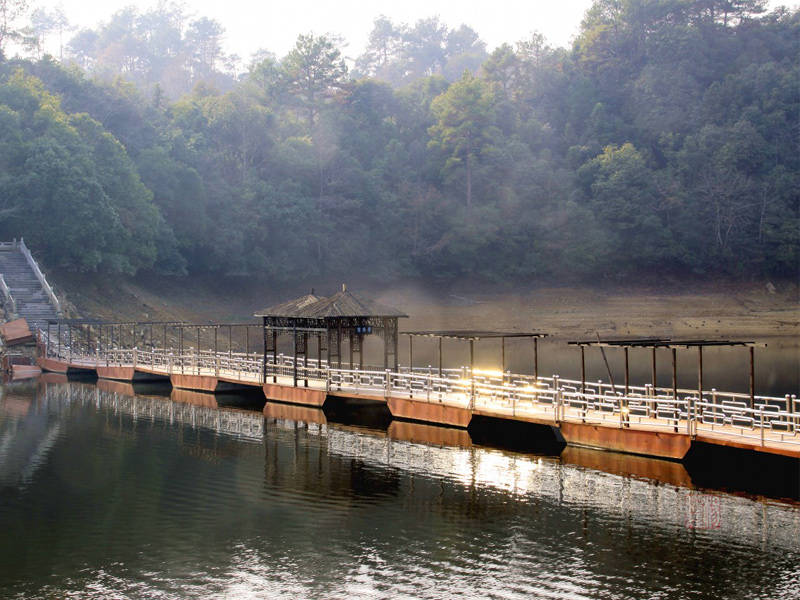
488	372
512	474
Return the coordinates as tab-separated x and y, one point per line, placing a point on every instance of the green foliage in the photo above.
73	191
464	131
312	71
665	140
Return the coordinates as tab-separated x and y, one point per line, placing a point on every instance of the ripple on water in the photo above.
119	507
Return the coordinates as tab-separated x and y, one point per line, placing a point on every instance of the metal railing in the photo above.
551	399
9	304
39	275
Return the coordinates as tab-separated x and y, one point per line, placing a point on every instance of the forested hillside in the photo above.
665	140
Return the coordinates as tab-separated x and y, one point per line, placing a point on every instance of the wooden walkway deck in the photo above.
648	421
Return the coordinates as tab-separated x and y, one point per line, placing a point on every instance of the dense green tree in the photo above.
624	198
464	129
665	137
312	71
78	196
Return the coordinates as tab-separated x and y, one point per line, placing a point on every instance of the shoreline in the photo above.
742	312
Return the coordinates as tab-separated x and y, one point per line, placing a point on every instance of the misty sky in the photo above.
275	26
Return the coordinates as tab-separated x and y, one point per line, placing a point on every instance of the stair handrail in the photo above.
39	275
8	300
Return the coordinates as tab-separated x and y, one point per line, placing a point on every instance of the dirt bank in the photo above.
730	310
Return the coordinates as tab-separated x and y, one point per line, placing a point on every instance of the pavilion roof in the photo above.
341	305
290	308
348	304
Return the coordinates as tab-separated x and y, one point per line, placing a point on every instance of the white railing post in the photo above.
558	399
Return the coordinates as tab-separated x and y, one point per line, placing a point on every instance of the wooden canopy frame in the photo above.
674	345
472	337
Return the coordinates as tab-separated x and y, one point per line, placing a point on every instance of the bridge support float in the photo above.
430	412
662	444
295	395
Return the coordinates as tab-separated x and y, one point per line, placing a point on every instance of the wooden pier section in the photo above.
646	420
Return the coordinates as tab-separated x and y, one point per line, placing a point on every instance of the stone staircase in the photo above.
33	303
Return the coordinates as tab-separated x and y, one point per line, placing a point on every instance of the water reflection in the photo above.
149	497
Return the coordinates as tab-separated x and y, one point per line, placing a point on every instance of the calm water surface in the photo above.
107	495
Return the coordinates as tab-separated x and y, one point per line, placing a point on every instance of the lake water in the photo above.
108	495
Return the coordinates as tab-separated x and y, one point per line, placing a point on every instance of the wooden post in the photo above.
627	373
674	373
386	344
305	356
536	359
699	376
410	354
89	338
59	340
503	358
216	338
472	372
247	340
274	355
294	355
675	382
165	336
655	375
753	378
361	351
396	338
350	344
264	359
230	341
319	350
440	357
330	345
339	344
583	370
